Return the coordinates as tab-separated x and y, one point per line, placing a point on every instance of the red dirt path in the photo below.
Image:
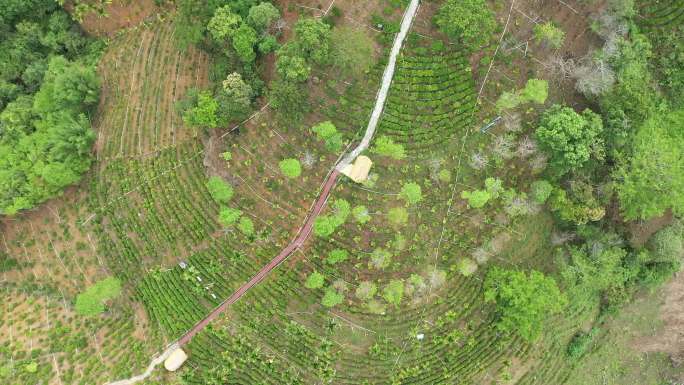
299	240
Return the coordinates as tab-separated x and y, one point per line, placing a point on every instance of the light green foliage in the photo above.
327	132
31	367
524	303
494	186
227	156
314	281
444	176
466	267
290	168
380	259
548	33
224	23
293	68
653	180
244	39
262	16
398	216
508	101
535	91
228	216
366	290
360	214
204	113
570	139
393	292
325	225
540	190
91	302
234	99
246	226
470	21
384	145
411	193
336	256
312	38
332	298
219	189
476	198
352	50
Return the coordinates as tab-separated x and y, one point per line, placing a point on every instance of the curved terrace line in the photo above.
387	77
307	228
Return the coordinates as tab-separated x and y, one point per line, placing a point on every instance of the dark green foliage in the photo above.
234	99
45	140
570	139
668	62
47	87
580	343
289	99
7	263
524	303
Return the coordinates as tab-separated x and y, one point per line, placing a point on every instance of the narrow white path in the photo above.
387	76
150	368
381	97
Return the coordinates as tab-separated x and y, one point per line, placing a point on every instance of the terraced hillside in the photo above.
394	295
144	75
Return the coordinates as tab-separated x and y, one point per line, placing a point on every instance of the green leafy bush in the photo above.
336	256
92	301
477	198
228	216
290	168
411	193
470	21
393	292
540	191
523	302
332	298
384	145
314	281
219	189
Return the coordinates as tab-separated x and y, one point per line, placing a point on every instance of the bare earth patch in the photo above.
670	339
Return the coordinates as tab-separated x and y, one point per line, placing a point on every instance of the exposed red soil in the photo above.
120	14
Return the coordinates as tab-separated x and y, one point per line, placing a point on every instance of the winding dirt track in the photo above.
286	252
307	228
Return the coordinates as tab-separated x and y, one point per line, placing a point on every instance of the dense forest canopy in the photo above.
48	85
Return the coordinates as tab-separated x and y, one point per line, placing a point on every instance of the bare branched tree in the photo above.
309	159
527	147
538	163
512	122
594	76
503	146
478	161
559	238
